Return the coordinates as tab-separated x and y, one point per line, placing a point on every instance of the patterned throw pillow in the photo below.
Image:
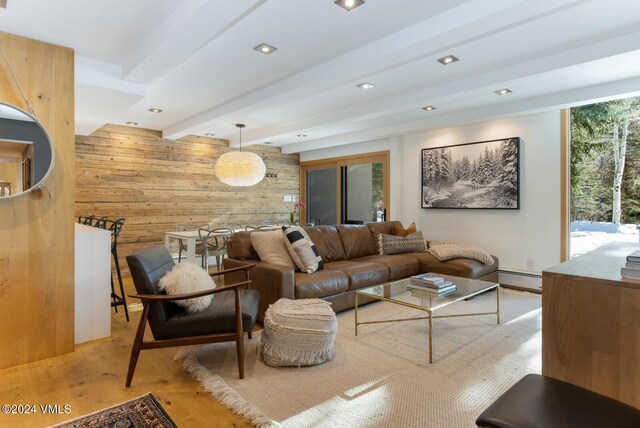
413	243
303	252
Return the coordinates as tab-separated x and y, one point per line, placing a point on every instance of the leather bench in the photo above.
538	401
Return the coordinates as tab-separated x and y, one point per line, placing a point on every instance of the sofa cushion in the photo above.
385	227
399	265
327	240
361	274
239	247
357	240
390	244
465	268
320	284
379	227
216	318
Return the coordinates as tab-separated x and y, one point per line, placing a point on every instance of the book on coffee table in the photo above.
634	257
424	293
448	287
429	280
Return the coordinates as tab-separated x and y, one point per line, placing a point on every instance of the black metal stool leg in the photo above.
113	294
122	295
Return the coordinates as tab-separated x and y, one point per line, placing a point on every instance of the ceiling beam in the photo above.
384	54
191	27
413	98
531	105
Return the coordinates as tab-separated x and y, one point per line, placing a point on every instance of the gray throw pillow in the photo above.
413	243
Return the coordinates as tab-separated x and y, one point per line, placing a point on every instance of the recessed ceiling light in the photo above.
428	108
208	134
302	135
366	85
449	59
349	5
132	123
155	110
265	48
504	91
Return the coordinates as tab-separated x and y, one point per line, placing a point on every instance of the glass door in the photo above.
363	193
351	190
321	196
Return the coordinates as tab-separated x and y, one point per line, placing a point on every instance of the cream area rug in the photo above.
382	378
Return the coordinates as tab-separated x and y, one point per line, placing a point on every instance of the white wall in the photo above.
527	239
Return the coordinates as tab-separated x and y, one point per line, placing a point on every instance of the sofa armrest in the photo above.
272	281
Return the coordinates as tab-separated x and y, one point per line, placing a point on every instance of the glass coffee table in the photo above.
397	292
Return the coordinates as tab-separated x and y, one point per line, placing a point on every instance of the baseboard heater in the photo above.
520	280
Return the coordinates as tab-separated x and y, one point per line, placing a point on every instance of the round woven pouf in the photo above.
298	333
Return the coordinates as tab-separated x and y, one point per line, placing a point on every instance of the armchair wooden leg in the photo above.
239	336
250	334
137	342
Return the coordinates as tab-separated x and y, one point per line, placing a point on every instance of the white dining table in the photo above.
192	237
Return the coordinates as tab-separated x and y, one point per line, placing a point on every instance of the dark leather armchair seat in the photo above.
232	312
542	402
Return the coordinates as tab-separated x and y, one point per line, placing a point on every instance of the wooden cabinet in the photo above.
591	324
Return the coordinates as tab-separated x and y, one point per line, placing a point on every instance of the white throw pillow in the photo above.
271	248
185	278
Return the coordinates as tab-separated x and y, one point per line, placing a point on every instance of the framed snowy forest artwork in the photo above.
483	175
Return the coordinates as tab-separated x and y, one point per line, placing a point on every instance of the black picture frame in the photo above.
478	175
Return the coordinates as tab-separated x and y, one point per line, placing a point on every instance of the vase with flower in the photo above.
296	212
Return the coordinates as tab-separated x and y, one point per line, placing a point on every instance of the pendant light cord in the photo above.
241	139
15	79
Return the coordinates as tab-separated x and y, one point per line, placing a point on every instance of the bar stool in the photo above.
115	226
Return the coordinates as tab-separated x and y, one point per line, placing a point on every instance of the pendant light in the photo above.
240	168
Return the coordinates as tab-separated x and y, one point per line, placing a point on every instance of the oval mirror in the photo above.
26	152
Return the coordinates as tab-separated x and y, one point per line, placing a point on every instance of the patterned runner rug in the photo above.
382	378
141	412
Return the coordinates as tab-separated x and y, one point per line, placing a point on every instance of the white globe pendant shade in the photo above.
240	168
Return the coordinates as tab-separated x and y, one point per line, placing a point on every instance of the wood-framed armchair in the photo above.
232	312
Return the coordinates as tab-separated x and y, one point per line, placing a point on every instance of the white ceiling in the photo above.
195	60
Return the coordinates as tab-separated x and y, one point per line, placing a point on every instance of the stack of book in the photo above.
632	268
434	284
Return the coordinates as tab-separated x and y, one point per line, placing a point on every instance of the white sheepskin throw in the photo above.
188	278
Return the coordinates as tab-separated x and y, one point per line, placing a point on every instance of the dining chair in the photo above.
215	244
235	227
232	312
263	227
182	246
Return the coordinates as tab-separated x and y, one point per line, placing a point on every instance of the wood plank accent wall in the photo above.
36	229
157	184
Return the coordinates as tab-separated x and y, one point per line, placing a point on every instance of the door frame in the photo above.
338	163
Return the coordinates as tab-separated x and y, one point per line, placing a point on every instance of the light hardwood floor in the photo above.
92	378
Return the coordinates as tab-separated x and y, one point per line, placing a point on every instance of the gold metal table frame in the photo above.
429	309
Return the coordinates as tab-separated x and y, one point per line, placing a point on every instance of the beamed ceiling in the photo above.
194	59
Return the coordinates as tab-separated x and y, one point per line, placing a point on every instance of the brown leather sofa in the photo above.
351	261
